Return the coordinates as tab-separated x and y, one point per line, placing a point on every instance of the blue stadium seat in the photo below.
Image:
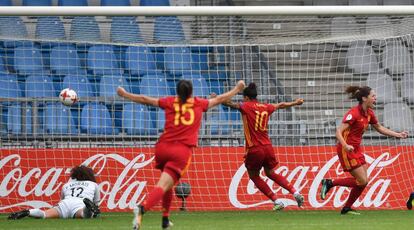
125	30
50	28
109	84
168	29
218	122
37	2
155	85
200	57
177	60
115	3
28	60
39	86
3	66
73	3
154	2
85	28
6	3
136	120
80	84
139	61
9	86
64	60
96	120
102	60
200	86
14	120
158	116
13	27
215	86
58	119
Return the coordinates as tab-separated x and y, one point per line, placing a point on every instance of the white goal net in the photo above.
288	57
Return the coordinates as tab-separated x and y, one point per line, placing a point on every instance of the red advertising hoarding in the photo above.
218	178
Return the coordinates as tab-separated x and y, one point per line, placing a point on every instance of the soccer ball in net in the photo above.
68	97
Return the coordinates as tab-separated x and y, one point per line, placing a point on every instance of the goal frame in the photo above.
205	10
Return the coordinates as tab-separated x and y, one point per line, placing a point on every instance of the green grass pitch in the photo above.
255	220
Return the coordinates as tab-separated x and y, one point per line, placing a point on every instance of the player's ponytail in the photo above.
356	92
250	91
184	90
82	173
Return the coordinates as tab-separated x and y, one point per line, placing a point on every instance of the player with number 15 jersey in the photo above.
183	114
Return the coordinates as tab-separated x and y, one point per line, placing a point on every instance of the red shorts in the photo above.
260	156
172	158
350	160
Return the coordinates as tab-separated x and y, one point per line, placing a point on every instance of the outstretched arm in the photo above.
142	99
388	132
284	105
231	104
226	96
228	103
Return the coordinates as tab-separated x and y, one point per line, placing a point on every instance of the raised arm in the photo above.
226	96
231	104
388	132
284	105
142	99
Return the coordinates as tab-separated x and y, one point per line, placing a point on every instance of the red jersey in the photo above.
182	122
358	121
255	116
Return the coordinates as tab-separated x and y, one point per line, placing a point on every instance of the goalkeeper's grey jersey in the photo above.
81	189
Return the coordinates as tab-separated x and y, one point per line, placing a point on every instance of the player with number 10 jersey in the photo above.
259	149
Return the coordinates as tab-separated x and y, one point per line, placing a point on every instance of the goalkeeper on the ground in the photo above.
79	198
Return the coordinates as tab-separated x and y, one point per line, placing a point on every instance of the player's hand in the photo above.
349	148
299	101
213	95
403	135
121	91
241	85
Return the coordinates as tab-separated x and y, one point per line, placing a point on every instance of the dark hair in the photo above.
356	92
82	172
250	91
184	90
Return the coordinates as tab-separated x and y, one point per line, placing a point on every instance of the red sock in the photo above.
263	187
347	182
281	180
166	203
153	197
355	193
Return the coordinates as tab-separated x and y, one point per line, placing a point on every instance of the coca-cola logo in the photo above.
125	192
376	195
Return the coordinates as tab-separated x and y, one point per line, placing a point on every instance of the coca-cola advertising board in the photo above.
218	178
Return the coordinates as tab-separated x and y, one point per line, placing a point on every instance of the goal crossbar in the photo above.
205	10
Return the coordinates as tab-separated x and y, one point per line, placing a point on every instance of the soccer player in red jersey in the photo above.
349	150
259	148
183	114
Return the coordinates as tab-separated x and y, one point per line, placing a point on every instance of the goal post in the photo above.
289	52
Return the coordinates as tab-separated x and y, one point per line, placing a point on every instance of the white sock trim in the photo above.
37	213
